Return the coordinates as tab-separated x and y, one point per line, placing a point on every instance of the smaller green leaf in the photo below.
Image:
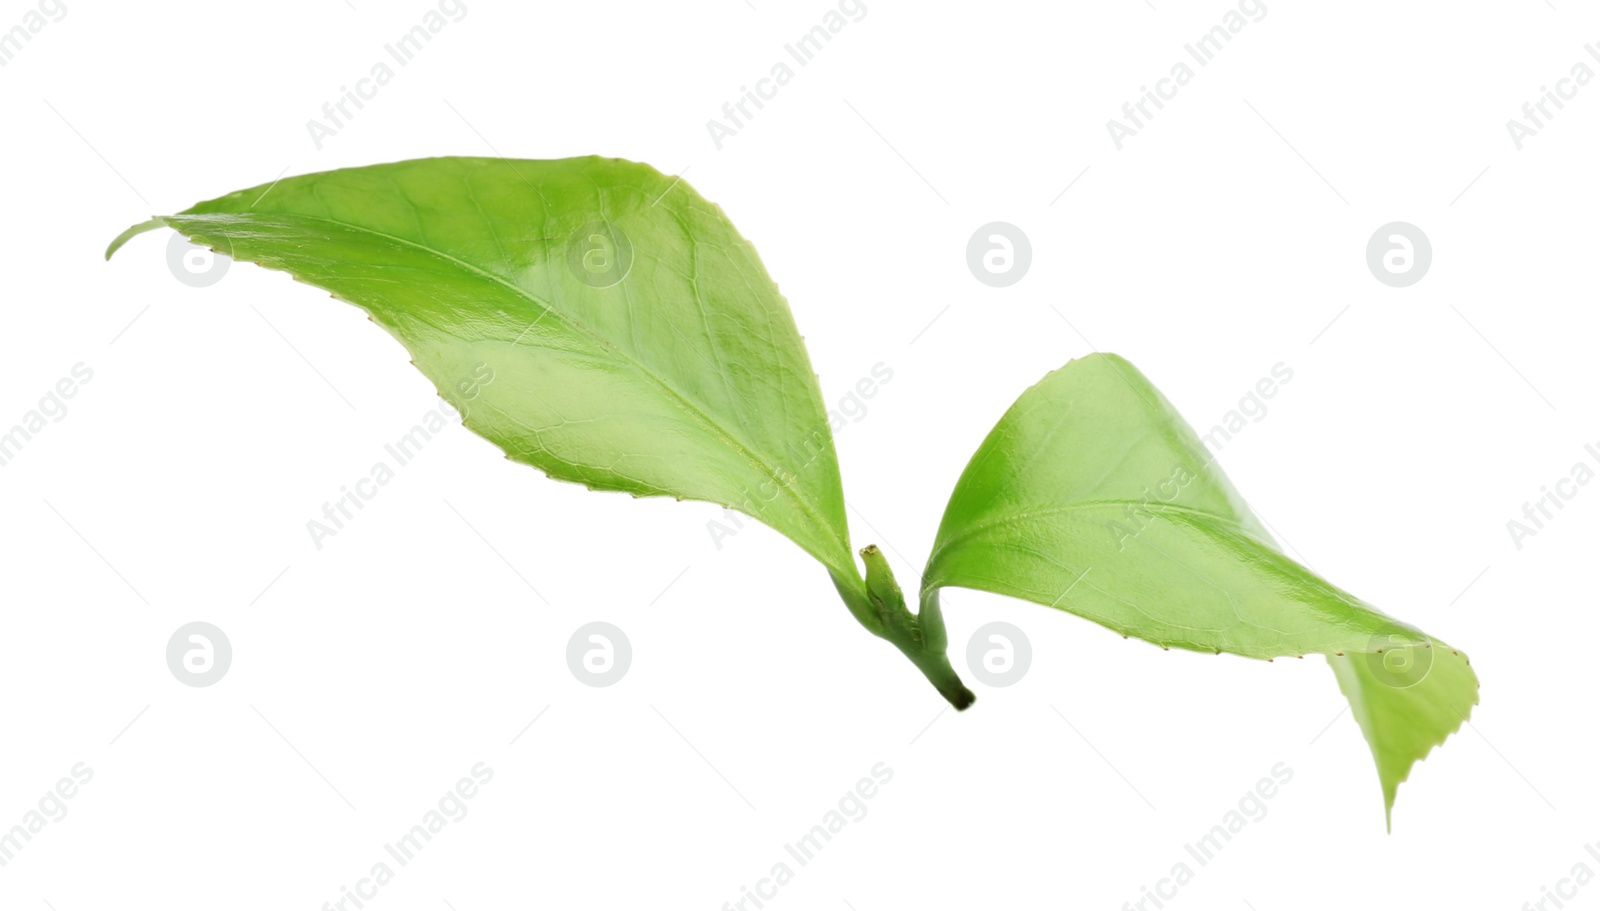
1091	495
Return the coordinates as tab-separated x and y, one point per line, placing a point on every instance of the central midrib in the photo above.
1085	506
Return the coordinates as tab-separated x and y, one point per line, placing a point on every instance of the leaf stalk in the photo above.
878	604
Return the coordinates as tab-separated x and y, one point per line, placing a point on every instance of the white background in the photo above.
367	677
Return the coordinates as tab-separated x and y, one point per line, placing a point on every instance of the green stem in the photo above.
880	606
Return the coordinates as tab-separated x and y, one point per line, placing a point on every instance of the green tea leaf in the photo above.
594	319
1093	496
635	340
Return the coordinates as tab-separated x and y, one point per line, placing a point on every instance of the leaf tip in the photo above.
131	233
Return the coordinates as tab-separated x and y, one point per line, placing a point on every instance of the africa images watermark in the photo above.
52	409
852	807
52	807
1566	888
1136	517
1252	409
737	114
851	409
337	114
1537	114
1202	51
33	22
1540	512
339	512
1252	807
451	808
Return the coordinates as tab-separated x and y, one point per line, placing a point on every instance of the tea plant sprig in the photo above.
638	345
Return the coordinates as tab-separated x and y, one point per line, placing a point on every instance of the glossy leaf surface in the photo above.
635	340
1091	495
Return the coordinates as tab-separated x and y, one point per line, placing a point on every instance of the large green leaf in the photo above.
593	318
636	342
1093	496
